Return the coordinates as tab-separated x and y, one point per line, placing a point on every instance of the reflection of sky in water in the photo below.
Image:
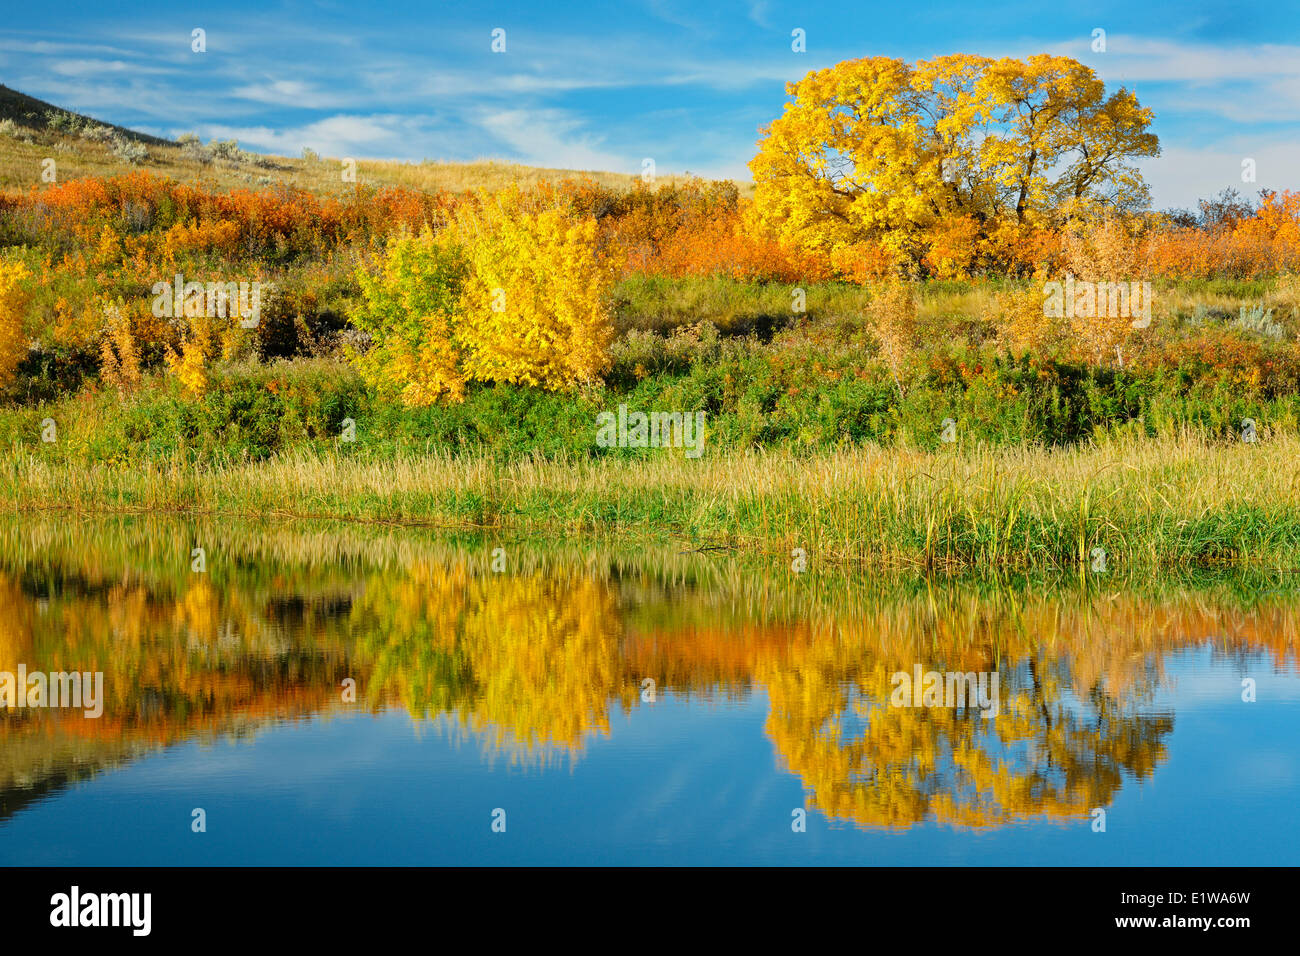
691	781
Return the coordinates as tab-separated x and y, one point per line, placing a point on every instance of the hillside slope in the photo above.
30	134
37	114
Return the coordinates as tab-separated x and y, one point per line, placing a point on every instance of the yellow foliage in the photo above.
198	346
506	292
893	317
1023	324
119	355
108	248
879	149
13	340
411	313
953	247
1106	251
213	335
862	262
535	301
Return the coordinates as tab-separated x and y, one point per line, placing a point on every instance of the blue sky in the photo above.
599	85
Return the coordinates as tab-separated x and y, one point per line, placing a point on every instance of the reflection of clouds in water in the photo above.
1267	769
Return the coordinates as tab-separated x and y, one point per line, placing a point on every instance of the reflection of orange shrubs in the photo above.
536	662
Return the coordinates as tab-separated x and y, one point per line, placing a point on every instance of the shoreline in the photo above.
1185	501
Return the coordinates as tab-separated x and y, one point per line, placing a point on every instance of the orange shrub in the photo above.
952	247
1022	322
1264	244
722	246
220	235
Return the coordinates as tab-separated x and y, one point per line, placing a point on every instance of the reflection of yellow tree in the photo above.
1047	753
15	625
173	665
880	765
533	660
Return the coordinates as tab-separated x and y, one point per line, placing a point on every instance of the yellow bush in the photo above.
1103	251
505	293
1024	325
212	327
411	313
535	299
119	354
190	365
952	247
13	340
893	318
863	262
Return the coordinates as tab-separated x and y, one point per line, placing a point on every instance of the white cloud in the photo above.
1155	60
109	101
50	48
98	68
1182	174
553	138
293	93
337	136
666	11
456	99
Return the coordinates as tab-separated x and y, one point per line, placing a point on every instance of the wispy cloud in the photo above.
295	93
379	136
99	68
552	138
687	84
1167	61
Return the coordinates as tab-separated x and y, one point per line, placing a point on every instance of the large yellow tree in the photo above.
881	150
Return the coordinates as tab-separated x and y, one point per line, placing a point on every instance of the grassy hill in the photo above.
39	115
32	130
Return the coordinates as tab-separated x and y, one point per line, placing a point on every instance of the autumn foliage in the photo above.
536	664
960	168
13	342
506	292
931	160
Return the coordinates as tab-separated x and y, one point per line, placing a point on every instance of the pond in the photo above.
332	694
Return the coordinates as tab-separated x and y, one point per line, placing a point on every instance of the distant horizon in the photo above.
589	89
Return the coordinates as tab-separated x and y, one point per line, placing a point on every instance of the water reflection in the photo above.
533	661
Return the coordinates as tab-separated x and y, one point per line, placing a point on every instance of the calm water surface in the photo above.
630	705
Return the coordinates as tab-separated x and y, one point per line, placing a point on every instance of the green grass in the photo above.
1176	501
